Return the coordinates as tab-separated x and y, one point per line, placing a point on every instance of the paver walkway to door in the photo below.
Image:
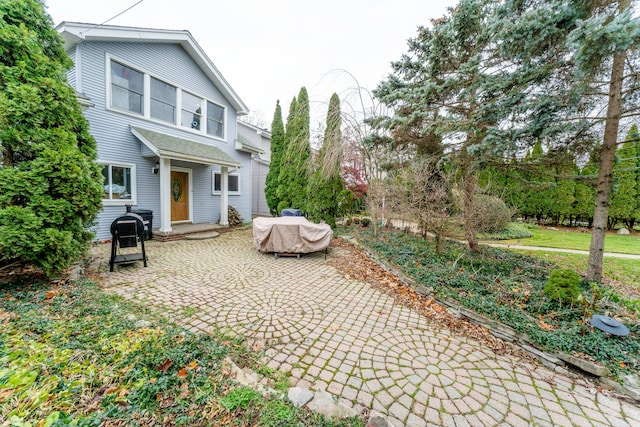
342	335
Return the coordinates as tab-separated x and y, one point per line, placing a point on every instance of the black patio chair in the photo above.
126	232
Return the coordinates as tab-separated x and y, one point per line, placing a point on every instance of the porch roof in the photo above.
172	147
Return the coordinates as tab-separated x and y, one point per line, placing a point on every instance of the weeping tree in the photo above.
295	161
326	194
50	185
277	148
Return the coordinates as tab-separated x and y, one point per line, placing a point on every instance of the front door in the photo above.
179	196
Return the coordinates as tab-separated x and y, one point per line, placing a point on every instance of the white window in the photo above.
119	186
127	88
163	101
215	120
233	183
140	93
191	111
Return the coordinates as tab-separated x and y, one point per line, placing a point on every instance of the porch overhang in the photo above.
172	147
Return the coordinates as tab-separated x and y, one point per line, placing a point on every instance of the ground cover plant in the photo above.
508	287
73	355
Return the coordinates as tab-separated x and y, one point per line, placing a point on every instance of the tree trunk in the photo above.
470	187
607	157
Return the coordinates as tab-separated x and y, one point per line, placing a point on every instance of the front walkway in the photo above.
335	333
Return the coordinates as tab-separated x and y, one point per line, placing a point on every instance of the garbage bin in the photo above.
147	217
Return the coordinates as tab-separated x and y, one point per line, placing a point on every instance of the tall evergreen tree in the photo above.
326	193
277	148
50	185
295	162
439	87
624	195
282	190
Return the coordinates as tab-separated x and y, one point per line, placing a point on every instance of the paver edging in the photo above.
319	401
556	361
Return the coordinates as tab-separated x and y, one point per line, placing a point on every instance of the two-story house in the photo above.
165	122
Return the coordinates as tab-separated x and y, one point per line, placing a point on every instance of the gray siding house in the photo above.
255	136
165	123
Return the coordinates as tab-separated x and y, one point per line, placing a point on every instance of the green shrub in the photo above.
50	184
563	285
491	214
512	231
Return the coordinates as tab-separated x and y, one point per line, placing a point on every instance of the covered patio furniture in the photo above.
290	235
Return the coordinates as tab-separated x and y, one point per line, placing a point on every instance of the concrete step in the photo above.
202	236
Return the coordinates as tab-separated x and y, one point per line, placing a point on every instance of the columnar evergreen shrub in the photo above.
277	148
50	185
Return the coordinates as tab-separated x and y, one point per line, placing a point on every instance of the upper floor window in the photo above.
143	94
163	101
191	111
127	88
119	183
215	120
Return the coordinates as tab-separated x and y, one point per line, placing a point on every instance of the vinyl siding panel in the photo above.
116	143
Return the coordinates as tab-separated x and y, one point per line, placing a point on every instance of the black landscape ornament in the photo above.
607	324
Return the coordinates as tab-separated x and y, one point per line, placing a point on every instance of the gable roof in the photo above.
74	33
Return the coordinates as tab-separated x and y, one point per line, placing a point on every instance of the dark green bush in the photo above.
50	185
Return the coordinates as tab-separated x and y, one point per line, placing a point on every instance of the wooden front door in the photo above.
179	196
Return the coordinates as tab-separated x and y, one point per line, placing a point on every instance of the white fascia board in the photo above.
74	33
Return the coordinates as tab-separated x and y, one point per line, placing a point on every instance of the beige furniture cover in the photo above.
290	234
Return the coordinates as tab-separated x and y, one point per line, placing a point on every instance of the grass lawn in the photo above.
546	238
623	270
73	355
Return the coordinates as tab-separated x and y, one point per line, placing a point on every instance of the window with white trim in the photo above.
127	88
215	120
163	101
131	90
233	183
119	186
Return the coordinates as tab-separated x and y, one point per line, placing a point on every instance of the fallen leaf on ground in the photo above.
182	373
164	367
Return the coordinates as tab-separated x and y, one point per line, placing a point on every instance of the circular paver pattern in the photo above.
399	363
271	315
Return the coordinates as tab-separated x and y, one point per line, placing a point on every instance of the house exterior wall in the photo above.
116	143
259	166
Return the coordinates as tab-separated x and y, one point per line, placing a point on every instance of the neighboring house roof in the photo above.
74	33
243	144
163	145
258	130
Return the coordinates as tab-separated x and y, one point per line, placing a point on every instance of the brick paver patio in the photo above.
342	335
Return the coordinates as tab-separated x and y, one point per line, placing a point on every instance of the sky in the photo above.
268	49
